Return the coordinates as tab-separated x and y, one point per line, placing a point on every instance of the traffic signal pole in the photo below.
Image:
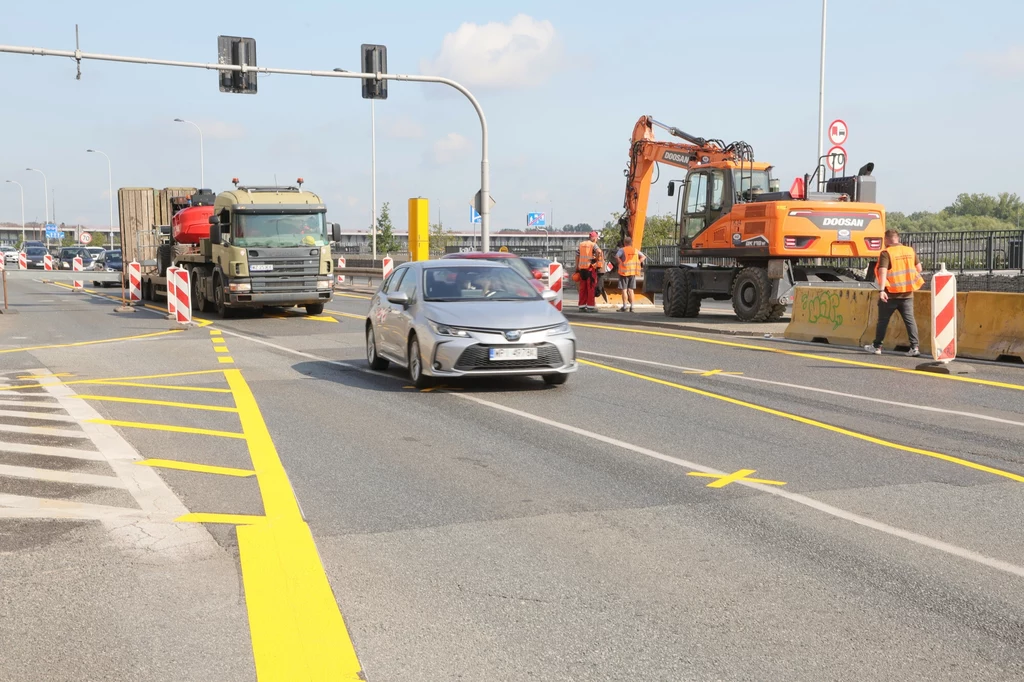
484	208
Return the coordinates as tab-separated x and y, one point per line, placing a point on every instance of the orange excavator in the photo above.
731	209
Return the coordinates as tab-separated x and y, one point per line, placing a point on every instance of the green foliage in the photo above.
659	230
578	227
68	239
969	212
98	239
1006	207
386	242
440	239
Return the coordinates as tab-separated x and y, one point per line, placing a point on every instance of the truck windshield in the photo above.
277	229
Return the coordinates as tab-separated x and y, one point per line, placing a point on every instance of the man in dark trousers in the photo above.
899	275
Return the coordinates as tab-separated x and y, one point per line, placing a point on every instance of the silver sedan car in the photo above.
460	318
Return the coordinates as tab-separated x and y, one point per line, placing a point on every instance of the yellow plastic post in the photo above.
419	229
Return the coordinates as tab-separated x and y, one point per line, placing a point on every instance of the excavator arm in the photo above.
645	151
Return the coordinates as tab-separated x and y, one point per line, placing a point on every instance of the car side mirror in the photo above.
335	232
398	298
214	232
548	295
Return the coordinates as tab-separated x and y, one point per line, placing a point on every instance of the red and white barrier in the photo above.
182	295
340	279
555	283
134	282
22	261
943	315
77	266
172	297
389	265
47	262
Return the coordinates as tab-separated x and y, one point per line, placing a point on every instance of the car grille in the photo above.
290	275
477	357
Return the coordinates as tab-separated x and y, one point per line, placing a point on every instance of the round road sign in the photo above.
85	237
503	249
837	132
836	159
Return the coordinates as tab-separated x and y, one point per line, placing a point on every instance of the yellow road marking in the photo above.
164	403
162	387
201	468
225	361
709	373
811	422
220	349
215	332
341	314
48	376
167	427
233	519
296	627
365	298
113	381
78	344
321	318
798	354
741	475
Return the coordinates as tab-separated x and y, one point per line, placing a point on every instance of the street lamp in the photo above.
110	193
46	193
373	169
202	163
15	182
821	98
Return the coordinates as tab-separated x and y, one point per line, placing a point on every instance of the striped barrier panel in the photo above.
77	266
134	282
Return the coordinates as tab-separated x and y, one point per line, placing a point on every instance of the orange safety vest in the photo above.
902	277
585	260
629	266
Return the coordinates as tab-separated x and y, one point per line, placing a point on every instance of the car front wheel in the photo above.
419	379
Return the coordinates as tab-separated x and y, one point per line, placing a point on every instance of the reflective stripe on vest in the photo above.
902	277
629	266
586	258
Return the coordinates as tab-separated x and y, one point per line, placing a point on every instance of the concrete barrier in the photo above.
991	326
838	316
896	334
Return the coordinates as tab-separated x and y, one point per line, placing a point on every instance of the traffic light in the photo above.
375	60
237	51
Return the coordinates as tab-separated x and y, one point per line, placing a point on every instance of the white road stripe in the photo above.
42	431
21	414
21	506
73	453
740	377
13	402
803	500
54	476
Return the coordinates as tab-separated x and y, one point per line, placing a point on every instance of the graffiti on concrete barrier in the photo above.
823	306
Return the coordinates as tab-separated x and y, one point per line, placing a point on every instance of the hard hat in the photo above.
308	240
593	235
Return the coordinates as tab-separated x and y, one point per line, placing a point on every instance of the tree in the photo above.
98	239
440	239
386	241
659	230
68	239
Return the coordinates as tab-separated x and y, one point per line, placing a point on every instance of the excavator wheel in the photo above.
751	290
679	300
776	313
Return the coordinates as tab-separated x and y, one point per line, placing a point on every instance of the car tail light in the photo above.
874	243
798	242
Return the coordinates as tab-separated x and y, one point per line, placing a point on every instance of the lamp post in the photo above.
202	162
821	98
22	190
110	194
46	196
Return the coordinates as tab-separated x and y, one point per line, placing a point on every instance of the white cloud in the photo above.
1008	62
403	128
449	148
522	53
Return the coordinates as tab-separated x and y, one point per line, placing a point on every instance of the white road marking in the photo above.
42	416
21	506
740	377
42	431
803	500
26	449
55	476
14	402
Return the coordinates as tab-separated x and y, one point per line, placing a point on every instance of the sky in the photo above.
931	91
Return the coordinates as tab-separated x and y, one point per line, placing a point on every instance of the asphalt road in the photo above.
498	530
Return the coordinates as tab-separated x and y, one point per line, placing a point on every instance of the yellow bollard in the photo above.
419	229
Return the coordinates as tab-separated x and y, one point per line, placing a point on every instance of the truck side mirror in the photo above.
214	220
335	232
672	188
214	231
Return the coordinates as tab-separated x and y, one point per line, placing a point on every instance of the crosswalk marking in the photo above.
50	451
56	476
43	431
42	416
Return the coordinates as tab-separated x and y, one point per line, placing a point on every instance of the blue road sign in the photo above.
474	216
535	220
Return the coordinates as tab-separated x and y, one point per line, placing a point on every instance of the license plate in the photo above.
260	267
513	353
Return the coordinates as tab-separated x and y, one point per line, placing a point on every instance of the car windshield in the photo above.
112	255
280	229
35	251
95	251
474	284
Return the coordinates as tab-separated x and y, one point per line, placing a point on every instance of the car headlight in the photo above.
560	329
242	287
325	284
445	330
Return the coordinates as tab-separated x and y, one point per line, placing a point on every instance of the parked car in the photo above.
10	254
108	261
510	259
69	253
34	256
30	242
467	317
95	251
539	266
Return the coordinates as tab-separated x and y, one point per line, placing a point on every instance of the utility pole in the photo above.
821	100
22	191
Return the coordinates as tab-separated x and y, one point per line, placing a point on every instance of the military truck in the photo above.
249	247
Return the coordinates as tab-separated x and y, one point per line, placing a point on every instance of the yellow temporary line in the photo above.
164	403
167	427
116	381
78	344
811	422
798	354
47	376
741	475
220	349
162	387
233	519
225	360
365	298
321	318
296	627
341	314
201	468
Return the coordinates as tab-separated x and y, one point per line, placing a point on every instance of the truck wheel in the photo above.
750	292
199	302
315	309
679	299
164	258
223	310
776	313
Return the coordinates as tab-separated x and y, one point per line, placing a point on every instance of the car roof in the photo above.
461	263
480	255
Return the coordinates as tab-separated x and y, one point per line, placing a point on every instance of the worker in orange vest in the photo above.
899	275
587	254
630	261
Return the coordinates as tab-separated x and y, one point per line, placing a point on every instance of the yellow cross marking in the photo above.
711	373
46	376
741	475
